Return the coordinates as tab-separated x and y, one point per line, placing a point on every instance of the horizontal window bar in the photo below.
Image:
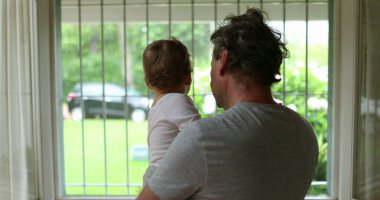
103	184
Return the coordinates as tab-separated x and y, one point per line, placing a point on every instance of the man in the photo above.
257	149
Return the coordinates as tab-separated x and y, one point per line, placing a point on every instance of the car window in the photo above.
96	89
114	90
133	92
92	90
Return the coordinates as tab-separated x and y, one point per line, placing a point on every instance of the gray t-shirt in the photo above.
252	151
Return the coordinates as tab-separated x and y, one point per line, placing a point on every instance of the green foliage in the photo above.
317	190
86	61
88	55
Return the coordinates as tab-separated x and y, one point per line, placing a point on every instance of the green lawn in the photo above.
99	156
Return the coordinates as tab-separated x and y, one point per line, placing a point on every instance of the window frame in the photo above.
345	88
344	100
46	106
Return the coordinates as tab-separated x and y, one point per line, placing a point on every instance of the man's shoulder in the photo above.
209	124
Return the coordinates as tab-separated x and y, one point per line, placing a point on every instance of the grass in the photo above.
99	156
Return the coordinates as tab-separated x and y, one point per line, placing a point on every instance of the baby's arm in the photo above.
185	112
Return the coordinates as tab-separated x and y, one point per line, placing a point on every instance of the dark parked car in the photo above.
116	103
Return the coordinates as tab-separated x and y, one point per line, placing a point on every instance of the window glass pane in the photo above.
295	71
203	27
158	1
317	102
107	102
224	10
131	2
158	22
245	6
181	1
137	39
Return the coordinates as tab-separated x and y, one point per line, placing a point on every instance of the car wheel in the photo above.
76	114
138	115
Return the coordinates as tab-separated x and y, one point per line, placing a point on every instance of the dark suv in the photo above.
114	102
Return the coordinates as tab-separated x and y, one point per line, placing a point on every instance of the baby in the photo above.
167	69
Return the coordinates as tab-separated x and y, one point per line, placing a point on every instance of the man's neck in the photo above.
252	92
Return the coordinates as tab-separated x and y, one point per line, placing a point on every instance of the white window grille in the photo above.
103	142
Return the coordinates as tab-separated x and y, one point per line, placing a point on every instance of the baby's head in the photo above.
167	66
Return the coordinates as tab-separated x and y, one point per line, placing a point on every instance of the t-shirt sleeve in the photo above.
182	171
183	111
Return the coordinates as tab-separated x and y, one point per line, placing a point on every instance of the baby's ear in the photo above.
187	79
148	84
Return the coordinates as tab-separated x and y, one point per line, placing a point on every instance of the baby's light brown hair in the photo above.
166	63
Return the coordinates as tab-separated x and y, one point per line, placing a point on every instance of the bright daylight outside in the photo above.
106	103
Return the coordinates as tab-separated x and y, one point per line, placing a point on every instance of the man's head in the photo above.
167	65
249	51
254	49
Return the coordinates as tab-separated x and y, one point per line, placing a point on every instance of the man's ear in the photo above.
223	61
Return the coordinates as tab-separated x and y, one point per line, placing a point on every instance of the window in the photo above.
103	147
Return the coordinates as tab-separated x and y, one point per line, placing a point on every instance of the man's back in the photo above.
252	151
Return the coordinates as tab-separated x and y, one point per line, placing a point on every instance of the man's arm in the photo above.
182	171
147	194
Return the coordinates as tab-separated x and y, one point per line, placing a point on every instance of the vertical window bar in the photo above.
81	94
170	18
238	7
126	111
215	27
61	149
329	95
283	62
147	42
215	13
261	4
307	58
147	21
193	44
147	37
104	103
